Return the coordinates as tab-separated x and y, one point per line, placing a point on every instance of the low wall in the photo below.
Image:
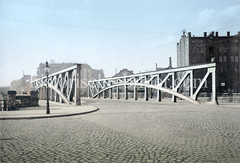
14	100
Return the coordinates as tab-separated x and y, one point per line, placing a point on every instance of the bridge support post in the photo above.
56	97
52	95
118	95
111	93
40	93
174	99
104	94
44	93
135	93
126	92
146	94
191	83
159	95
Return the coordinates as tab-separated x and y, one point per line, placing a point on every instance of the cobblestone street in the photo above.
128	131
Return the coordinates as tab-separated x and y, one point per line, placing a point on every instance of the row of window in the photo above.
232	59
224	69
221	49
224	49
217	41
197	49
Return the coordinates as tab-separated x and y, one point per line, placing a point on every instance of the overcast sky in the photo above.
106	34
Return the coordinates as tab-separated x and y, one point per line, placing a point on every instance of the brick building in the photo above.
224	50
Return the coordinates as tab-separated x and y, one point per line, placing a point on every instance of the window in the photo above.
221	68
193	49
225	49
197	50
220	59
232	58
236	69
226	69
212	59
220	49
236	58
224	59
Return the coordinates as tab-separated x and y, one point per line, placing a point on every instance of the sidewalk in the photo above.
56	110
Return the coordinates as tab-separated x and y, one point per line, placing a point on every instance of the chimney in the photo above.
156	66
189	34
216	34
205	34
228	34
170	62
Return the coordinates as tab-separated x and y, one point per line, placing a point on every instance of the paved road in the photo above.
127	131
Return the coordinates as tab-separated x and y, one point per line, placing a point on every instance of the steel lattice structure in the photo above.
161	81
64	85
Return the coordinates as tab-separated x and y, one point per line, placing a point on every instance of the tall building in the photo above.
223	50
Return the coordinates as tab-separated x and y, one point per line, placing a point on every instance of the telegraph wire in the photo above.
91	28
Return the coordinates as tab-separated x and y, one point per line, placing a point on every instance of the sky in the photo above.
106	34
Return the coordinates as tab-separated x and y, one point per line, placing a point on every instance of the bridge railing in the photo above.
184	83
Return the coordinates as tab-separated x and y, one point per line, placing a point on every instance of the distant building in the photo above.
223	50
22	86
4	90
124	72
54	67
164	68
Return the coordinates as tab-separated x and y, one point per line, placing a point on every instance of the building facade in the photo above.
54	67
124	72
223	50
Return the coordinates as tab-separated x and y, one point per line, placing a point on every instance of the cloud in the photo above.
217	18
230	11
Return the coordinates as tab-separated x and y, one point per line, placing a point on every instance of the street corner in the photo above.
55	112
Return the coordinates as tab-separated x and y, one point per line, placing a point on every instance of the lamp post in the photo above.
47	69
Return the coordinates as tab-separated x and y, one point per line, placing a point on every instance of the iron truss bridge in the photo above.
64	85
183	83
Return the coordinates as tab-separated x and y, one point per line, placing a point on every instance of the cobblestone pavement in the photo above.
127	131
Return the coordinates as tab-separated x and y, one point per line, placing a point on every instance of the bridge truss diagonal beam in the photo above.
64	85
169	81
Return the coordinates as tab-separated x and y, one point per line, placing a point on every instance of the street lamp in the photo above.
47	69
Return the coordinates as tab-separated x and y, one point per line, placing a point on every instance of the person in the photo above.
230	95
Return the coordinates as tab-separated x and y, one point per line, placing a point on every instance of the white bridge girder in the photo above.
64	85
169	81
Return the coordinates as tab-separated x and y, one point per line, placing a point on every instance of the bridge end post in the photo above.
78	85
214	89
